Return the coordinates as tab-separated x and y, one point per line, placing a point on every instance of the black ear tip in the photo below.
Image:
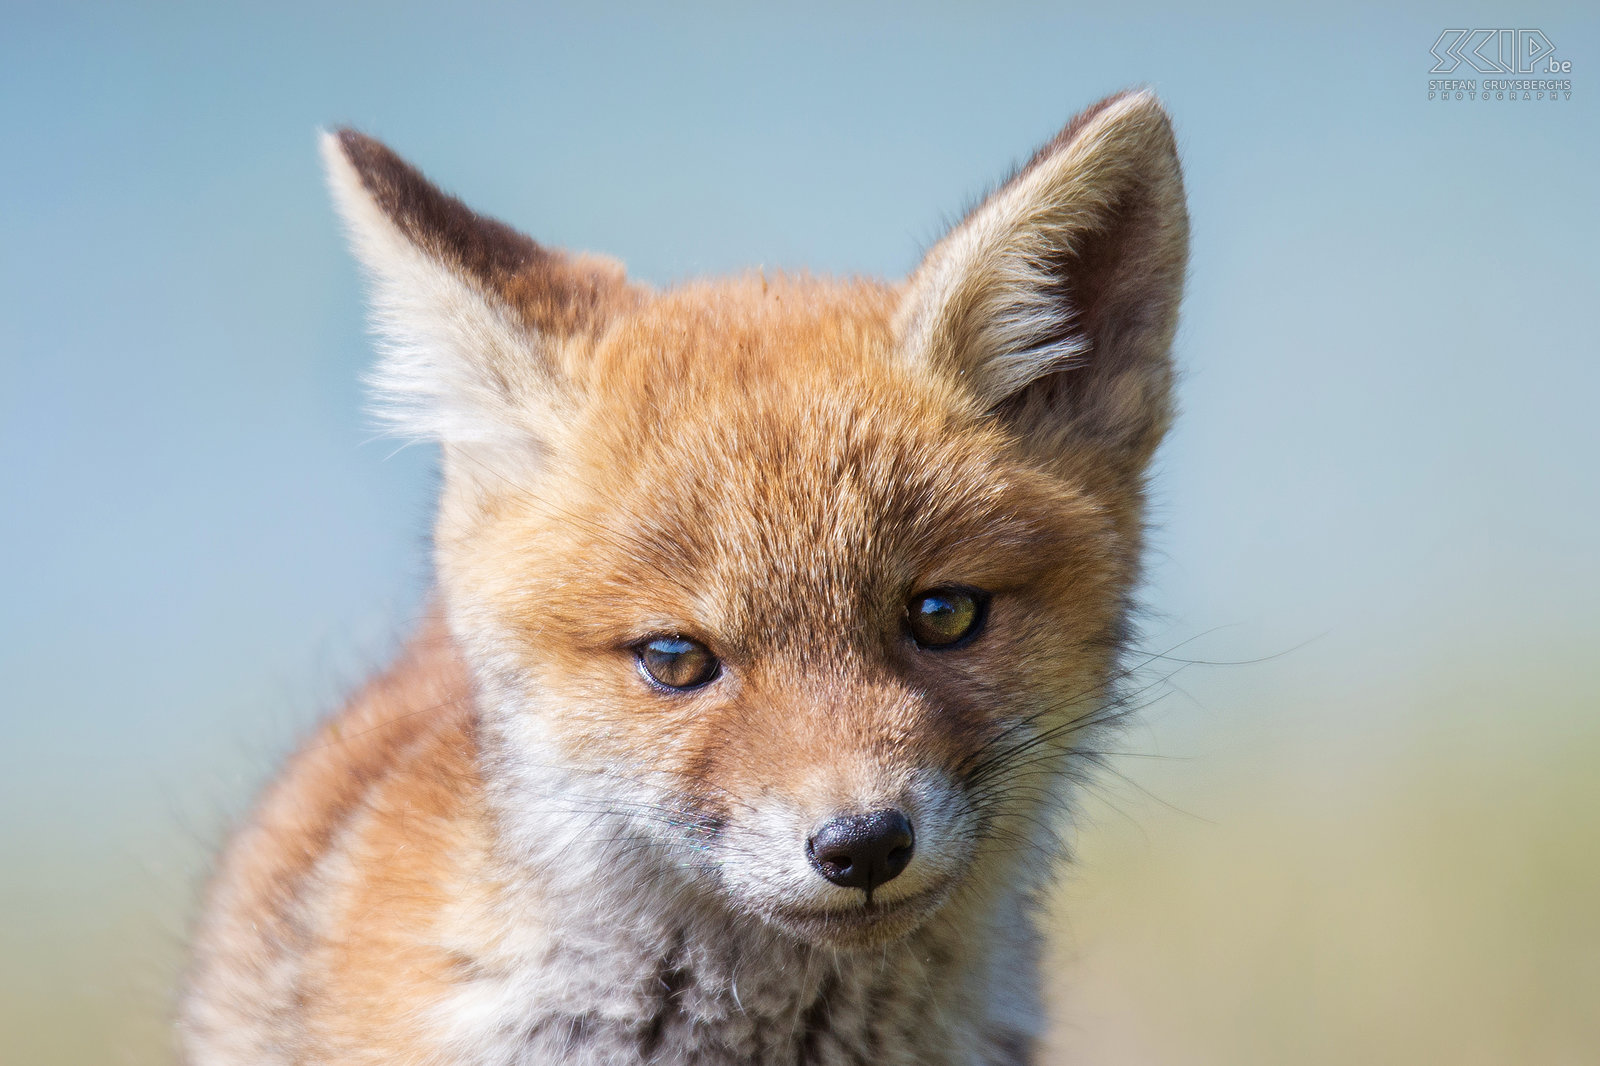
398	187
350	138
427	216
367	154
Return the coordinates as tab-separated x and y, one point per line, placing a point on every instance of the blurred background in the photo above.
1362	825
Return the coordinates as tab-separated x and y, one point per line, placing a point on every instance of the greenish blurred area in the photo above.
1440	907
1371	839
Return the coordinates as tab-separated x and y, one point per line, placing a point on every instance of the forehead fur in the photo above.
764	427
757	332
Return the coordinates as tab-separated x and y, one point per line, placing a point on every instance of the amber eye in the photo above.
940	618
676	662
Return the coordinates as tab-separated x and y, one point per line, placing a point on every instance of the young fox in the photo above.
774	619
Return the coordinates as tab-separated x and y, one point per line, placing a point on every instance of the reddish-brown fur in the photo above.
763	466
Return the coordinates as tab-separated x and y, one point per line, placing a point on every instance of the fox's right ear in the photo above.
472	315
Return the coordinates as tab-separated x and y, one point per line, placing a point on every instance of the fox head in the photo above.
806	596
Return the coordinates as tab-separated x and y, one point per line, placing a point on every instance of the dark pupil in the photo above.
678	663
939	618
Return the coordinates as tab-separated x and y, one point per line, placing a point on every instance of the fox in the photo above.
776	623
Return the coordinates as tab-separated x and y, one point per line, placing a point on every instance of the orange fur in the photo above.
508	846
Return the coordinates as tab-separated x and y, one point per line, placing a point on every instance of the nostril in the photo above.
836	866
862	850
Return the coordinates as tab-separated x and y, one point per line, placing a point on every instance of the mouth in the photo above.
865	924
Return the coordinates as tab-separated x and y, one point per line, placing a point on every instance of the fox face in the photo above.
794	599
780	605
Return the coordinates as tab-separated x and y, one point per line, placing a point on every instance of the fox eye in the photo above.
944	617
675	662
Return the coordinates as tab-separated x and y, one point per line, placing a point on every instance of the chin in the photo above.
860	925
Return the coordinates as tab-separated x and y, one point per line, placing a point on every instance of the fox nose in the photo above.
862	850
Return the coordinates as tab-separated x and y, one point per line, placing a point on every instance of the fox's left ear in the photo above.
1056	299
473	317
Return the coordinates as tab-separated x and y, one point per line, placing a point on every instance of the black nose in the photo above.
862	850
